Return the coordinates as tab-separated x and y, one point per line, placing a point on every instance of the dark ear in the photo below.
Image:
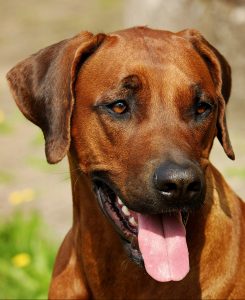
220	72
42	88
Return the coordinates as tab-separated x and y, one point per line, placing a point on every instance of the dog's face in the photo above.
147	106
143	117
143	125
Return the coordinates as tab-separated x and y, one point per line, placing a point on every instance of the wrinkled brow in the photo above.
199	92
131	82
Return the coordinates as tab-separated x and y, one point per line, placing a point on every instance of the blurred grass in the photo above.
9	122
6	177
5	128
235	172
27	257
38	140
108	3
41	164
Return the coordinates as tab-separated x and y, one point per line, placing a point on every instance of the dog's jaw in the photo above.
156	241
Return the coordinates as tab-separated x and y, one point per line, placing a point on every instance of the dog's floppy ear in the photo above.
42	88
220	72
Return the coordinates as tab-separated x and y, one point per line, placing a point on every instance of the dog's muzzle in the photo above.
155	233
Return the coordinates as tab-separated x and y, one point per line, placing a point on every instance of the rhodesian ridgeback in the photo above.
137	111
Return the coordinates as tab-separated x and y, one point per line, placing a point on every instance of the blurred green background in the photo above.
35	198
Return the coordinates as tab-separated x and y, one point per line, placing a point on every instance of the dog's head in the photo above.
140	108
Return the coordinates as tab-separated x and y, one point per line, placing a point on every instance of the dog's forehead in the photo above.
147	47
159	56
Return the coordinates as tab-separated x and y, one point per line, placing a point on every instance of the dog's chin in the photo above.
125	220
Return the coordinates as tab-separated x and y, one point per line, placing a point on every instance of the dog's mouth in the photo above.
156	241
124	219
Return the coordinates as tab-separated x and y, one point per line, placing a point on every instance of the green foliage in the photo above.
22	235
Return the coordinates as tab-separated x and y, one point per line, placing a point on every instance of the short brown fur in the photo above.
60	89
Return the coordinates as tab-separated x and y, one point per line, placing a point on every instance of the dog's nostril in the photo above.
178	182
169	187
194	186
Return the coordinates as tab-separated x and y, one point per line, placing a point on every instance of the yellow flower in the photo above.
2	117
21	260
24	195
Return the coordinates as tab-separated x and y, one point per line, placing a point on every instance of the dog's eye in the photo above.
203	107
119	107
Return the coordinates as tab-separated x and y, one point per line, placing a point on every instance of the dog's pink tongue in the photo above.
163	246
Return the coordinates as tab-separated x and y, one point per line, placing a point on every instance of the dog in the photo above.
136	112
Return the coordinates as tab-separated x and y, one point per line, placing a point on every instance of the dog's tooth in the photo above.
125	211
119	201
132	221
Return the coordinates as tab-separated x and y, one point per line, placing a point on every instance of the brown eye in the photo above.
120	107
202	107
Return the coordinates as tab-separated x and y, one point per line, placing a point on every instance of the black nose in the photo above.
179	182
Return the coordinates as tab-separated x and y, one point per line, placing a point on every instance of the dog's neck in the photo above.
93	232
